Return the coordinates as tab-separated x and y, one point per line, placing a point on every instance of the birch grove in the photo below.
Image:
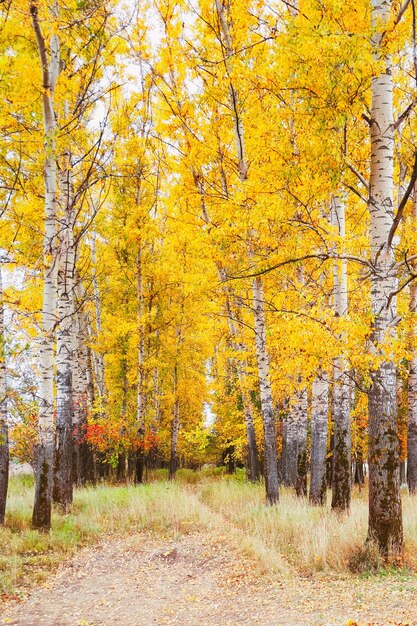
178	293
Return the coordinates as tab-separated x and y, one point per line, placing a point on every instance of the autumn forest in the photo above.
208	253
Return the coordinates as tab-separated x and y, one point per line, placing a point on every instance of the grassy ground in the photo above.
27	555
292	537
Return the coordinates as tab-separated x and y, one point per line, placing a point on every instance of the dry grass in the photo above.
290	538
27	556
310	539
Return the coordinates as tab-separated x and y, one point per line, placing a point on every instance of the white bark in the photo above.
64	397
99	357
141	346
319	431
240	364
385	516
412	383
50	71
223	13
4	426
294	457
175	428
341	487
271	469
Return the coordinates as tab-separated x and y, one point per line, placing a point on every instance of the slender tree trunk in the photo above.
241	368
294	457
45	457
271	467
319	431
4	429
84	462
302	421
140	454
342	478
175	429
62	491
100	376
412	385
253	473
385	515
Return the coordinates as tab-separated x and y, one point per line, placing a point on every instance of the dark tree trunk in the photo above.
62	490
175	429
139	467
342	472
229	459
121	468
385	515
41	518
403	474
85	464
329	462
359	469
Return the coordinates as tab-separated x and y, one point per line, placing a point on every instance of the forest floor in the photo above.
203	572
201	580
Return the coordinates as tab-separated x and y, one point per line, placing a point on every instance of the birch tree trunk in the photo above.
271	467
319	432
294	457
342	479
4	429
45	458
237	345
412	384
62	491
140	455
175	429
241	367
100	376
84	462
385	515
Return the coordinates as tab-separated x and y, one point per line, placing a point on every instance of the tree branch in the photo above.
399	214
319	257
357	174
405	114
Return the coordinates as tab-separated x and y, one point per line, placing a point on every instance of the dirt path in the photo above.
202	580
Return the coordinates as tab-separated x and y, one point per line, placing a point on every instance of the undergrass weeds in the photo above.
291	537
311	539
28	555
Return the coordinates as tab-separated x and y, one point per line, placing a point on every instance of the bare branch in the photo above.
399	214
356	192
319	257
405	114
357	174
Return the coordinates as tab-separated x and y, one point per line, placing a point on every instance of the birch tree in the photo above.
412	385
4	426
319	430
50	65
385	516
62	490
341	483
268	417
